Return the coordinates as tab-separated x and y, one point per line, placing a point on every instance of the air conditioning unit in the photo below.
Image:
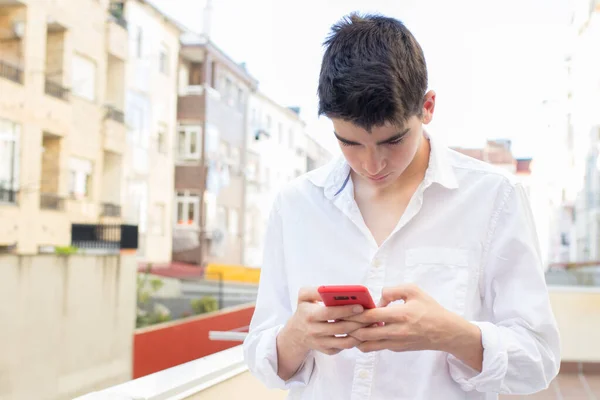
18	29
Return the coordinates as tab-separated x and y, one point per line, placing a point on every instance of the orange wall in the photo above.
168	345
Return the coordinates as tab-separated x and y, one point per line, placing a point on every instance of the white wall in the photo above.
68	324
279	162
154	95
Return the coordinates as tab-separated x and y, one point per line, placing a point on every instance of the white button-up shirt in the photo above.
467	238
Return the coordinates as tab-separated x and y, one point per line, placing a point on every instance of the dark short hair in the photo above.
373	72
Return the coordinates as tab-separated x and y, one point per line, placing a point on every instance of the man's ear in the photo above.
428	107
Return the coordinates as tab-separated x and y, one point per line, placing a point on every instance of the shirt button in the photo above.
376	263
363	374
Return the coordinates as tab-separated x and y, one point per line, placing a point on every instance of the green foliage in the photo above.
204	305
146	287
65	250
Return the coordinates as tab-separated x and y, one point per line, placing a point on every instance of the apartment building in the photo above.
279	150
210	154
62	132
151	117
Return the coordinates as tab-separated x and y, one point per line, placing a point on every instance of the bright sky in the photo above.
492	63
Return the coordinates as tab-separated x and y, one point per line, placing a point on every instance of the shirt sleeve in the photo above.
272	311
520	339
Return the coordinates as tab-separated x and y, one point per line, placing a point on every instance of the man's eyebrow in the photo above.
388	140
341	139
395	137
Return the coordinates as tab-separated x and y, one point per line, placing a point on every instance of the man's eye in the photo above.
397	141
347	144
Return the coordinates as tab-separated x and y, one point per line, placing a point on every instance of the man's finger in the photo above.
400	292
337	312
376	315
309	294
340	327
373	333
342	343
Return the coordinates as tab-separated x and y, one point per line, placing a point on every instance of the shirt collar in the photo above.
334	177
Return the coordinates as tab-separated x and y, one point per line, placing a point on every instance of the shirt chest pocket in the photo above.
441	272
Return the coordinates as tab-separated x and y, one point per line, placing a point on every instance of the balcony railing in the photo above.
104	237
195	380
115	114
11	72
116	12
53	202
8	195
57	90
111	210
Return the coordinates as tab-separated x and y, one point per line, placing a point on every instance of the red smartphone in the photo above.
346	295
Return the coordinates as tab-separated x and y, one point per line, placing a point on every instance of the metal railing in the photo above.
115	114
8	195
111	210
50	201
104	237
57	90
11	72
116	12
585	276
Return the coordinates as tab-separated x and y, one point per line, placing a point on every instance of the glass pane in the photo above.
179	212
191	213
193	141
181	142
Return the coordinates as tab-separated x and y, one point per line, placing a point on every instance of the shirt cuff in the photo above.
268	365
495	363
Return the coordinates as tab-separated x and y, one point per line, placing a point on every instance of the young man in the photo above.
445	243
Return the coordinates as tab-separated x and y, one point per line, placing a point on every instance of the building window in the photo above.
9	160
291	139
240	98
162	138
224	151
233	222
188	210
80	176
139	42
280	133
269	123
84	78
221	217
234	156
189	143
163	59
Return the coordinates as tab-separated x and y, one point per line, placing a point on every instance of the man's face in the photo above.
382	155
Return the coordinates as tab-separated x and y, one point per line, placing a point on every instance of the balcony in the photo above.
105	238
191	104
8	196
117	37
11	72
115	131
114	114
57	90
111	210
52	202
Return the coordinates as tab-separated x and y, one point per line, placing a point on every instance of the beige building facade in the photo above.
62	134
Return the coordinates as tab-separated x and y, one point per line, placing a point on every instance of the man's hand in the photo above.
309	329
420	323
